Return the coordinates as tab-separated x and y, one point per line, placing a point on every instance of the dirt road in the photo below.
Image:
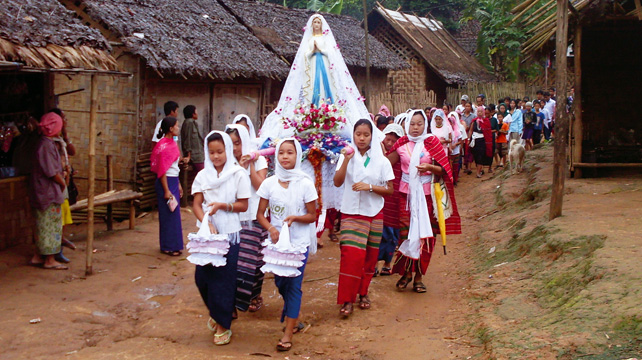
141	304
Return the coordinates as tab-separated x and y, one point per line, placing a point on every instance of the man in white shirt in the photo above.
460	107
549	112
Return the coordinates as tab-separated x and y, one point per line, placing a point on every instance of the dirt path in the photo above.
140	303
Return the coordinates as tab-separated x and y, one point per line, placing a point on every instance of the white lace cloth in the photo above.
207	248
331	195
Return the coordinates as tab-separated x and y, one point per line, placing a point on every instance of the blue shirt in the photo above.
517	125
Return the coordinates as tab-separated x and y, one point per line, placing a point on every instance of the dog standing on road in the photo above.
516	154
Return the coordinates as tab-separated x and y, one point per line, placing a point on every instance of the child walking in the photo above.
368	176
250	277
291	197
221	191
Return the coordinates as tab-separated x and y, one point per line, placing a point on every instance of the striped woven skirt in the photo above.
360	238
404	264
249	281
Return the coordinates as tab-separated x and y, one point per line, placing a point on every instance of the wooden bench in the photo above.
109	198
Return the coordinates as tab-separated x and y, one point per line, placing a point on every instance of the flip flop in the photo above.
385	271
211	324
346	310
419	287
284	346
171	253
333	237
364	303
402	284
38	265
223	342
56	267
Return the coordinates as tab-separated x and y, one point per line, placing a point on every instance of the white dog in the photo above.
516	154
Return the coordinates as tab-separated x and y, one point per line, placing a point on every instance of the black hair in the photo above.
546	93
169	107
167	123
378	116
536	102
492	107
390	118
56	111
526	99
539	92
382	120
215	137
552	88
189	111
363	122
233	131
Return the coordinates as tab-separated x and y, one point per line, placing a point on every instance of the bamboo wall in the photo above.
116	124
492	90
398	103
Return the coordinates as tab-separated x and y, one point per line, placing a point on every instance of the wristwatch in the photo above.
370	187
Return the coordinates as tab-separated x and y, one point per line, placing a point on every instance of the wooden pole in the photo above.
92	173
365	27
110	186
561	116
578	128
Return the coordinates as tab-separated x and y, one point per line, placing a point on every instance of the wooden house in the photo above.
437	60
38	40
605	131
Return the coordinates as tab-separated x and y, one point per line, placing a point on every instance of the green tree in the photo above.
498	45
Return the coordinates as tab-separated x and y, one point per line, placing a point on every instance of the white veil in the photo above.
347	94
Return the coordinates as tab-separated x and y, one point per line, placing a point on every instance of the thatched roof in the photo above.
43	34
280	29
196	38
539	18
433	43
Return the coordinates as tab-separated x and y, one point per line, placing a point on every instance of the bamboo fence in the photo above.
398	103
492	90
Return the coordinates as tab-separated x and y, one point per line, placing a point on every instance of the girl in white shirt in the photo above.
250	277
221	191
368	176
291	198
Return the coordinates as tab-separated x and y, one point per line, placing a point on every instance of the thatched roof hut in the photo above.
425	36
42	34
196	38
280	29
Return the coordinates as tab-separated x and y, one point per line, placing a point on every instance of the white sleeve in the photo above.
340	161
243	190
310	192
387	172
260	163
264	189
197	186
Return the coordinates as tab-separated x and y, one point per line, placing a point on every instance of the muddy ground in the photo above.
513	286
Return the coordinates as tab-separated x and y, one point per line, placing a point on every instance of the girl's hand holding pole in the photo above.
290	219
274	234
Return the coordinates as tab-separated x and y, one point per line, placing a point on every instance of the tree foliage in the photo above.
498	45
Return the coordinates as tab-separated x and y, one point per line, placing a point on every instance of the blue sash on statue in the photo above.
321	72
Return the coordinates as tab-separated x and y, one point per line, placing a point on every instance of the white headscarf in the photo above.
346	89
399	119
357	169
445	130
155	137
252	132
295	188
393	129
244	136
419	216
225	222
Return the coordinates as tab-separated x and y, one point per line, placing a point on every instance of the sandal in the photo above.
364	302
172	253
297	329
346	310
226	341
402	284
284	346
255	304
333	237
55	267
211	324
419	287
385	271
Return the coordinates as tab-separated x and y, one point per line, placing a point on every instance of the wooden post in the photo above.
132	215
93	112
365	27
578	128
561	116
110	186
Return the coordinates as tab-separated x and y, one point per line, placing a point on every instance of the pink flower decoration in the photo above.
304	28
361	98
338	47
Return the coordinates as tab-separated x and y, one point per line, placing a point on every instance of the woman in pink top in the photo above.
418	166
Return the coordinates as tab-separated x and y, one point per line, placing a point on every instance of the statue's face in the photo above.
317	25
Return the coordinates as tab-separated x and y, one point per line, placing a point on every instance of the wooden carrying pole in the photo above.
92	172
561	116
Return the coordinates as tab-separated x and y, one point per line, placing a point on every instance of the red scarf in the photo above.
484	126
436	150
165	153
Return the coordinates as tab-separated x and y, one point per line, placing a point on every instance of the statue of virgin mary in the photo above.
318	74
